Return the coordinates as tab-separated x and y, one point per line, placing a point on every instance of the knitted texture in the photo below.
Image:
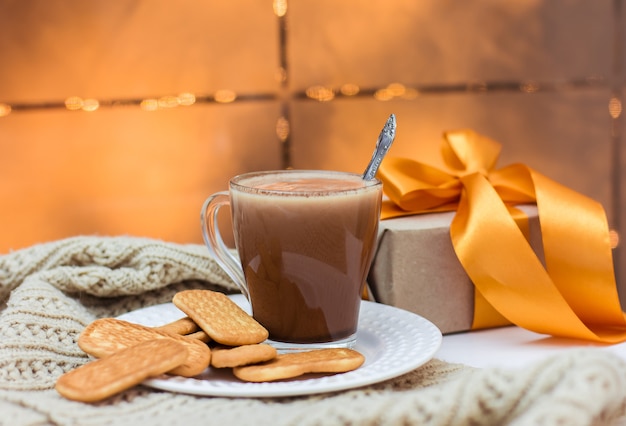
50	292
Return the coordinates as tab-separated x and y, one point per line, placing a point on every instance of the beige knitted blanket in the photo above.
50	292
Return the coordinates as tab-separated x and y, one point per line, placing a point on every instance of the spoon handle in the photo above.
385	139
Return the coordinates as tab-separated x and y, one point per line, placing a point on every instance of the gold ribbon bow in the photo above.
573	295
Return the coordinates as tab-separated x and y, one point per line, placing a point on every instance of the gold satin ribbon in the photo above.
573	295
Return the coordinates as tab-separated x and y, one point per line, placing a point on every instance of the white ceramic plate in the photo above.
392	340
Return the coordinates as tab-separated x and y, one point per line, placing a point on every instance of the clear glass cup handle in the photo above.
214	242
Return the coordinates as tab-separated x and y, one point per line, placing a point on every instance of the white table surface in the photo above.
510	347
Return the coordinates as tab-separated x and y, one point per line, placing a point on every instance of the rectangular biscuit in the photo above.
220	317
289	365
108	376
226	356
106	336
183	325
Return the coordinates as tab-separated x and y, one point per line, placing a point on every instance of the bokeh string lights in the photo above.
283	91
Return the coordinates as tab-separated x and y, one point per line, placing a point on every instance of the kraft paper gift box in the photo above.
560	283
415	268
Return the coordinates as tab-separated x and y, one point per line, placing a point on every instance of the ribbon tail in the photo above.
505	269
578	255
485	315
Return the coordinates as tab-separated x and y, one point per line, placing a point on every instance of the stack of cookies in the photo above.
216	332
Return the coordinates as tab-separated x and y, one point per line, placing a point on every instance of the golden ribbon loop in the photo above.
573	295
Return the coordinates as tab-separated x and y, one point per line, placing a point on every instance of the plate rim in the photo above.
193	386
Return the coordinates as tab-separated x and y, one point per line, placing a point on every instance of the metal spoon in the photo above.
385	139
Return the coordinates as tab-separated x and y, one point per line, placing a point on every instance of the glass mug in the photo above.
305	239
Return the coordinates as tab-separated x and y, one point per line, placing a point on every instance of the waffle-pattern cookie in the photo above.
290	365
225	356
124	369
106	336
220	317
183	325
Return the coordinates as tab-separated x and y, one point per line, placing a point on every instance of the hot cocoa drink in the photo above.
306	241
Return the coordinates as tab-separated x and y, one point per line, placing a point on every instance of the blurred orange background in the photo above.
121	117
